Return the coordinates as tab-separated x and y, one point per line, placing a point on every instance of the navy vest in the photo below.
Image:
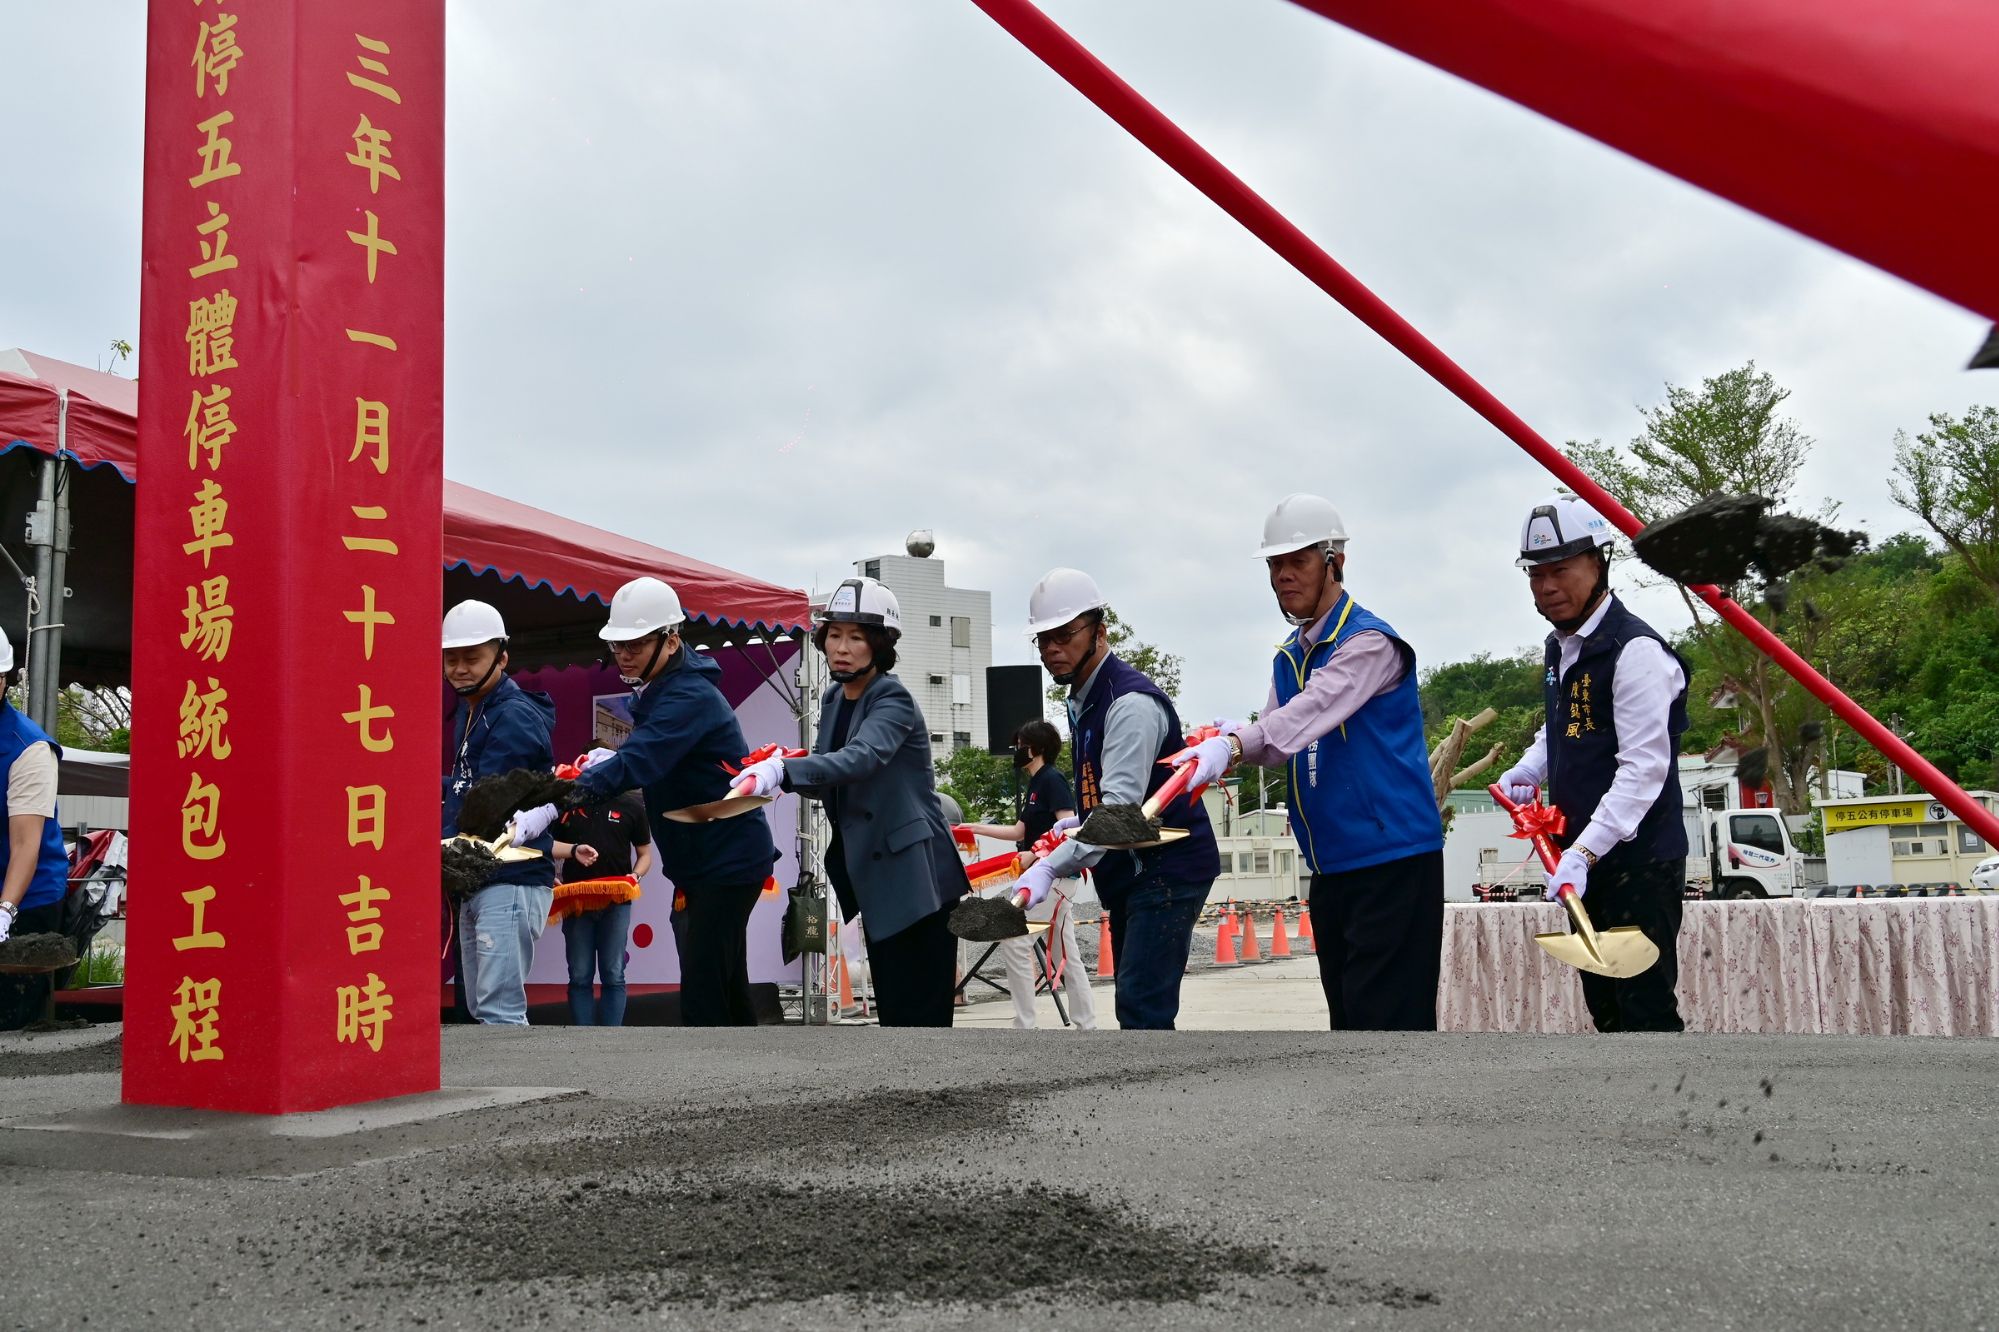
1582	739
51	879
1193	859
1360	795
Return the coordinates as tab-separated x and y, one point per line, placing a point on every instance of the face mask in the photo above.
1022	756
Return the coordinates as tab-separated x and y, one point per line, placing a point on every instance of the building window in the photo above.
961	631
1263	862
936	737
1969	843
1283	862
961	691
936	622
1244	862
872	569
961	739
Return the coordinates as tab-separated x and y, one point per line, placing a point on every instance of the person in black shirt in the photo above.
606	842
1036	746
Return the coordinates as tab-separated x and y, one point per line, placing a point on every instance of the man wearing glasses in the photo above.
1121	725
683	732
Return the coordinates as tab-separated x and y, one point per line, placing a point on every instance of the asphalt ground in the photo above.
794	1178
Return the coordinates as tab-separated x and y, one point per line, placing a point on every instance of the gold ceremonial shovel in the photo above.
1622	952
499	847
737	801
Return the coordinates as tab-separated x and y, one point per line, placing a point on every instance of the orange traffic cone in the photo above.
1106	965
1225	942
1249	950
846	985
1280	944
1305	934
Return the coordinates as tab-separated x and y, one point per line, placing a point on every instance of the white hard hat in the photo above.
1299	521
1560	527
6	653
470	623
863	601
642	606
1060	596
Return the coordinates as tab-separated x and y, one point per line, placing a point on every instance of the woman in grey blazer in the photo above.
891	858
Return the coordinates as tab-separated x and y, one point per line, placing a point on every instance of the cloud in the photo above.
773	284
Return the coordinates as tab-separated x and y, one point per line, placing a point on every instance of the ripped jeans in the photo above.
499	925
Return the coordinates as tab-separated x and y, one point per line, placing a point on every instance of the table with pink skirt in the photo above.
1924	966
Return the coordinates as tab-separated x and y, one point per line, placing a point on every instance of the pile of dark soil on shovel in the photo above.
1722	538
42	951
1117	825
987	919
491	801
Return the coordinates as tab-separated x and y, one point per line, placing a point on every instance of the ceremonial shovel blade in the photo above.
728	807
1621	952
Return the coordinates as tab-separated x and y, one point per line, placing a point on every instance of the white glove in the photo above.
1034	884
1570	871
766	775
6	923
596	756
1064	825
531	823
1211	758
1227	727
1519	787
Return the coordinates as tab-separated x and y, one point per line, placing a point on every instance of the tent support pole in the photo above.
42	651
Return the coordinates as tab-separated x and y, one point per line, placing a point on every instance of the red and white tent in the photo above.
550	576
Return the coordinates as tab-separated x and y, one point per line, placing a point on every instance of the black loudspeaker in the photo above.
1013	699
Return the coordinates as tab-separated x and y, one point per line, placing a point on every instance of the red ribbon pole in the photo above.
1146	123
1538	823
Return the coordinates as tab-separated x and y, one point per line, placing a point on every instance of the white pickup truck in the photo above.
1742	853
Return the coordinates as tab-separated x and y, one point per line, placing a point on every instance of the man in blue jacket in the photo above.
684	743
1343	716
37	873
497	726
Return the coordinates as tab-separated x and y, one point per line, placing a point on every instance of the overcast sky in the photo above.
773	283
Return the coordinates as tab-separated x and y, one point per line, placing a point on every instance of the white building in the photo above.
947	643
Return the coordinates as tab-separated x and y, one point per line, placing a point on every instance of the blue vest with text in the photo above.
1192	859
1582	740
51	879
1360	795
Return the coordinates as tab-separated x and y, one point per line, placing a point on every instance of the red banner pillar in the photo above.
282	950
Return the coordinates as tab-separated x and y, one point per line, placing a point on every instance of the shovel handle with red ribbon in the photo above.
756	756
1539	823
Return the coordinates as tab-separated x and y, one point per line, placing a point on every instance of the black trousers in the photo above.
23	998
915	972
1380	932
1649	895
710	934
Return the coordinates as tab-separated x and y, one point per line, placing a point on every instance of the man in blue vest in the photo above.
1121	725
37	875
1615	697
1343	717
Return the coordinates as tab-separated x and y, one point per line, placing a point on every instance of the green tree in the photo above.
1728	438
1949	477
1159	665
981	783
1511	686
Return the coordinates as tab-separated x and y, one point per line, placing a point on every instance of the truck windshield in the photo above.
1757	830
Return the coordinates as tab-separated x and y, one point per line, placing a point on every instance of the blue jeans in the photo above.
500	924
596	943
1152	929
